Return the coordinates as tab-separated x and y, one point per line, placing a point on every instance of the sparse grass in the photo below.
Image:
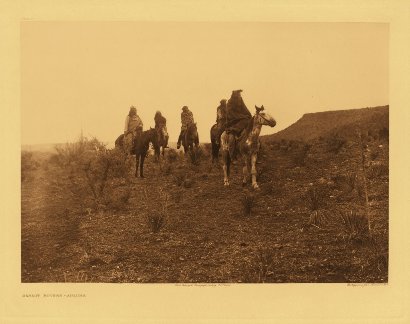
260	268
377	170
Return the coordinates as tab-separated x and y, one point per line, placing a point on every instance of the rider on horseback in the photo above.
160	126
237	114
220	119
133	128
186	118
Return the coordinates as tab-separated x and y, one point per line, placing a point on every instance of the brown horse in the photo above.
190	140
163	138
140	147
215	143
247	144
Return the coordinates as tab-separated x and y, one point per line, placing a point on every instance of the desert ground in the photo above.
321	214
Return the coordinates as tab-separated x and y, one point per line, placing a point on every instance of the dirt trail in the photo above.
38	247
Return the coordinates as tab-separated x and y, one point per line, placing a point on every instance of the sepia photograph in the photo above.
204	161
204	152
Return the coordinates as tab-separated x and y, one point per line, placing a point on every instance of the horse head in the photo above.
263	118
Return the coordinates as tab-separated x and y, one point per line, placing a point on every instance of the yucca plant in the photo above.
355	226
317	219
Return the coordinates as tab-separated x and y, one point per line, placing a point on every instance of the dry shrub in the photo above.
156	221
95	176
260	267
346	182
196	155
299	158
188	183
179	177
156	209
166	168
28	164
248	202
335	143
172	155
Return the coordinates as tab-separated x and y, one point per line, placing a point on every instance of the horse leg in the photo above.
226	166
254	157
142	165
245	169
137	160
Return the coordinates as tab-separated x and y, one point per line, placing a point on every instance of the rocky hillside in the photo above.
340	122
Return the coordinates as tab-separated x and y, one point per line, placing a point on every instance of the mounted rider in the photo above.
161	127
220	119
133	128
187	118
237	114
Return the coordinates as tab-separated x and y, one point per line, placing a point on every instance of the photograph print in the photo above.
204	152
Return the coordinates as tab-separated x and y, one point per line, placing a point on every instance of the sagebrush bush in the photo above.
156	208
299	158
28	164
335	143
196	155
96	177
172	155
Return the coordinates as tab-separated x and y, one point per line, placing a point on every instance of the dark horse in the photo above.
140	147
190	140
163	138
215	143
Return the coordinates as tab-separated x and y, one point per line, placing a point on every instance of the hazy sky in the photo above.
87	74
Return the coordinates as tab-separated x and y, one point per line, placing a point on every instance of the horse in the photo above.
190	140
140	147
215	143
247	145
163	138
